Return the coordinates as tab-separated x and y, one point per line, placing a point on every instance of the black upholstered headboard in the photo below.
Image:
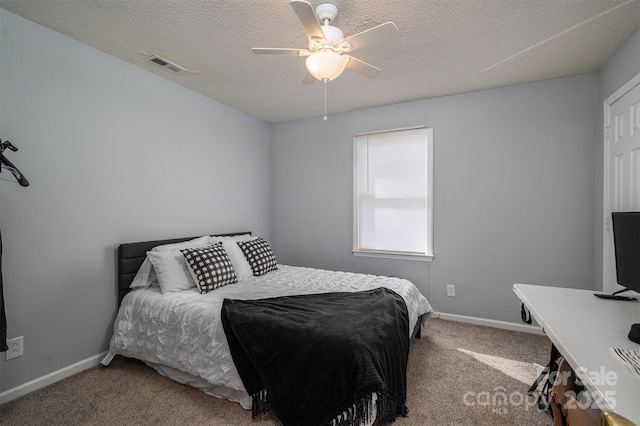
131	256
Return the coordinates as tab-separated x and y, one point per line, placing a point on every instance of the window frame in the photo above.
356	250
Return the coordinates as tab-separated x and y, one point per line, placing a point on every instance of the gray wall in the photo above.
513	192
619	69
108	148
114	154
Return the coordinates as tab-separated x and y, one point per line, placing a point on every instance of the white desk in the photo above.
583	327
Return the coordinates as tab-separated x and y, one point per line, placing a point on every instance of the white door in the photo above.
622	171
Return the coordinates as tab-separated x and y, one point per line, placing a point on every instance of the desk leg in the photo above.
544	401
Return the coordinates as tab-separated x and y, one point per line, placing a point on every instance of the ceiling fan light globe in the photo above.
325	64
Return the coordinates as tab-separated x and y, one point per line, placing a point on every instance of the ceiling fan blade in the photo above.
372	35
307	16
362	68
309	79
280	51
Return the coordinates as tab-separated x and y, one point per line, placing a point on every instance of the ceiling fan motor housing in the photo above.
326	11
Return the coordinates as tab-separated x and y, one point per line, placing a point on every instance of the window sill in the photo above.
391	255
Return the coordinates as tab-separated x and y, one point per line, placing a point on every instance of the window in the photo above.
393	194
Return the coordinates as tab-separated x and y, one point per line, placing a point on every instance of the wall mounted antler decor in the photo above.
6	164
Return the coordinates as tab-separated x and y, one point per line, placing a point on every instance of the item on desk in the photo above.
568	399
630	359
634	333
613	419
614	297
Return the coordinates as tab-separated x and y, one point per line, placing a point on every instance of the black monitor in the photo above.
626	243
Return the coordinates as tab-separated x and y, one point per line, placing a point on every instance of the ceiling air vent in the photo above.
155	59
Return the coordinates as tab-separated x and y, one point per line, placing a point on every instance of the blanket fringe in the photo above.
390	408
360	412
260	403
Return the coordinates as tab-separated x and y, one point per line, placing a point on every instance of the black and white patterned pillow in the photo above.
259	255
210	267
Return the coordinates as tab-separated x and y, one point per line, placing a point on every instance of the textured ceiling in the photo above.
443	47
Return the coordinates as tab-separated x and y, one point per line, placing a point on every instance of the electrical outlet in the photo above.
451	290
16	347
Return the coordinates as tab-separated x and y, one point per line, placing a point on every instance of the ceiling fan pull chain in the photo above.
325	80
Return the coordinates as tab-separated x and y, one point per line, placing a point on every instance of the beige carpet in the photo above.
456	375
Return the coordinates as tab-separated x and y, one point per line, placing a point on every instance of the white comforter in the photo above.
184	331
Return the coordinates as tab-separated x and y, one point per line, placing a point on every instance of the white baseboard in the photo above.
525	328
50	378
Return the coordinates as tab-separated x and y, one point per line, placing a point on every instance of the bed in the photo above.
180	333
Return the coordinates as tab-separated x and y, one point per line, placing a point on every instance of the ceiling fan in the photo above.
328	52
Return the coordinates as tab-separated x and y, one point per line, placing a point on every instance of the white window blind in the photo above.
392	205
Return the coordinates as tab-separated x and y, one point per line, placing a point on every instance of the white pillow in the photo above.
142	278
196	242
170	267
146	275
239	262
171	270
243	237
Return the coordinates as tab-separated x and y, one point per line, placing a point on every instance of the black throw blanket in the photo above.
317	358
